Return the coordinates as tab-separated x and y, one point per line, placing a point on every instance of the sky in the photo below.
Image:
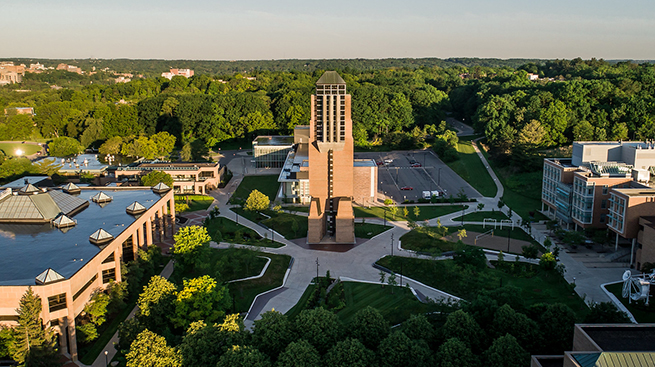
335	29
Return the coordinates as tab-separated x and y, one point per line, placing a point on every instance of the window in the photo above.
87	285
109	259
9	318
602	218
603	204
605	189
57	302
107	275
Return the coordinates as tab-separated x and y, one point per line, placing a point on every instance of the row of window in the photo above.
58	301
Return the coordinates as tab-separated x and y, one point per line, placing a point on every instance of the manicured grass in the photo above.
642	313
228	233
395	308
244	293
10	148
536	286
481	216
292	208
282	223
267	185
472	170
426	212
515	234
369	230
234	144
528	197
225	265
427	240
196	202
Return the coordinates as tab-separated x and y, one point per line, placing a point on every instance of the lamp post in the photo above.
392	244
272	235
439	178
385	217
509	235
463	212
317	265
106	358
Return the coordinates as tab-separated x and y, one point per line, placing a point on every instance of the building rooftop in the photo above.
622	338
273	140
331	77
39	181
564	162
615	359
30	249
636	192
364	163
82	162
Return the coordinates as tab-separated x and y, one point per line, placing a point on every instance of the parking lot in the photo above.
432	175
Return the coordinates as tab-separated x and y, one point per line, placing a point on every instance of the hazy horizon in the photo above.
292	29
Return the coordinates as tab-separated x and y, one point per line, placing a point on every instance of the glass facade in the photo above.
616	216
583	200
552	176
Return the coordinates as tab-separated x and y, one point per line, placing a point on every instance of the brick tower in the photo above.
331	218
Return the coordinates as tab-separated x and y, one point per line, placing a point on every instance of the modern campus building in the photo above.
271	151
188	178
67	242
605	185
625	345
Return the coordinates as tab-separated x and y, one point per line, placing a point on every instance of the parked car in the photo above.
407	188
379	163
416	164
388	161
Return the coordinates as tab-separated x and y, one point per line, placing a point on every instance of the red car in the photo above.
416	165
407	188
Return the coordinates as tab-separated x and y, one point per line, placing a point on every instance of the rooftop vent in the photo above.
100	237
63	221
160	188
28	189
71	188
135	208
101	197
48	276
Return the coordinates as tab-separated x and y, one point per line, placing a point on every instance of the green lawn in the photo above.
196	202
236	233
369	230
643	314
481	216
427	241
395	308
426	212
282	223
522	190
267	184
10	148
536	285
472	170
225	265
515	234
244	293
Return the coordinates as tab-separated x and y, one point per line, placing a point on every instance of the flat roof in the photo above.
636	191
29	249
82	162
622	338
364	163
33	180
273	140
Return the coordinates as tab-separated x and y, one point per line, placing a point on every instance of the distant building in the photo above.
533	76
20	111
595	345
187	73
122	79
188	178
271	151
10	73
70	68
605	185
36	68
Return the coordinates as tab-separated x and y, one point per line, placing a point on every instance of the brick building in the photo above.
187	73
66	243
188	178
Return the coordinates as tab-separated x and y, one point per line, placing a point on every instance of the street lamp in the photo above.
509	235
317	265
385	217
106	358
272	235
392	244
439	178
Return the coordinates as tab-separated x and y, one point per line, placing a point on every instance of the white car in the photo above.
388	161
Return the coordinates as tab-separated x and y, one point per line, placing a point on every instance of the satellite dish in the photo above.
626	275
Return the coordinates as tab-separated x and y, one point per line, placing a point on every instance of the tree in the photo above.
33	344
190	244
393	209
556	323
455	353
480	206
111	146
156	301
140	147
508	321
506	352
347	353
532	135
605	313
417	327
392	281
272	333
203	345
185	153
257	201
369	326
388	202
530	251
164	143
64	146
155	177
151	350
383	277
417	212
548	261
405	212
461	234
243	356
397	350
320	327
462	326
299	354
200	299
